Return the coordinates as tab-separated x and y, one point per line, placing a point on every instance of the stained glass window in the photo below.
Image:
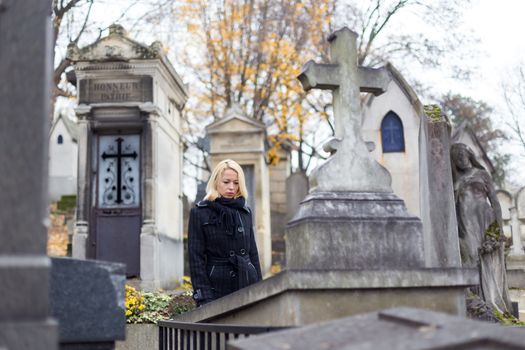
392	136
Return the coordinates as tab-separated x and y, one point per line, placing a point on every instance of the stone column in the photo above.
517	246
25	71
81	230
148	239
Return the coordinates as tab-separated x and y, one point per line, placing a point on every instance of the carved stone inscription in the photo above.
132	89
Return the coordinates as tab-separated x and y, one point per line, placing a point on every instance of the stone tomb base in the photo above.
347	253
294	298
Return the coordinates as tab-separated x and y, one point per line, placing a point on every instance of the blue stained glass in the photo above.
392	136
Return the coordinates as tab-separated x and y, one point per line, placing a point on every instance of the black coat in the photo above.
220	263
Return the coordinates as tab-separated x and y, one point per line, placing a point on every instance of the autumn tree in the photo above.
478	115
249	52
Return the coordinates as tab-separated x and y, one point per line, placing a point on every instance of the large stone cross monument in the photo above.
350	169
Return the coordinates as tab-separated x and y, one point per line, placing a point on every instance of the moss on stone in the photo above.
493	231
507	319
433	113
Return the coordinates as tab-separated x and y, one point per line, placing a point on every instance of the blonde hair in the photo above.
211	188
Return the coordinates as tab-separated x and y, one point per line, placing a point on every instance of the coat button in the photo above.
232	253
232	274
240	229
243	251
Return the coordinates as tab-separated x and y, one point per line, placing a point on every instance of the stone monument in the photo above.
129	202
352	247
25	71
438	208
240	138
87	298
394	329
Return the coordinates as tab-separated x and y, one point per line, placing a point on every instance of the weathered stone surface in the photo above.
296	191
302	297
351	168
139	337
438	209
87	298
353	230
401	328
480	226
25	71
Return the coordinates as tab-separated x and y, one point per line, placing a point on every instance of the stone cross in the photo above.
351	168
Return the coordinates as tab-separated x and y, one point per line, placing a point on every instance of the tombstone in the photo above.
87	298
438	208
25	71
516	256
506	202
352	247
240	138
279	203
129	204
395	329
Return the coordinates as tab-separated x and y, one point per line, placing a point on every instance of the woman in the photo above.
221	244
480	226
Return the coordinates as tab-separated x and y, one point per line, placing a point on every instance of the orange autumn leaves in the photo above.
249	52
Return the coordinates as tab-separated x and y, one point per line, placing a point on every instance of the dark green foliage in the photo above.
67	202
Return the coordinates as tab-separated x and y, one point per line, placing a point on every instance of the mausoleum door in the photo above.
117	211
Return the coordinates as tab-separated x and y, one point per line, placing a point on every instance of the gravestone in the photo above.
394	329
438	209
278	174
241	139
506	202
25	71
87	298
129	203
352	247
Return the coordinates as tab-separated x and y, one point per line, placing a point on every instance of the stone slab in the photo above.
381	231
400	328
23	278
285	298
437	197
516	278
29	335
139	337
87	298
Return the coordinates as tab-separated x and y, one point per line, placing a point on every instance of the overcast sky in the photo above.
500	28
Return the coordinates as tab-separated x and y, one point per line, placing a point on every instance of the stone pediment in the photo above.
117	46
234	122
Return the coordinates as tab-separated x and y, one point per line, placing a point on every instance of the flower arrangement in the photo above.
150	307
